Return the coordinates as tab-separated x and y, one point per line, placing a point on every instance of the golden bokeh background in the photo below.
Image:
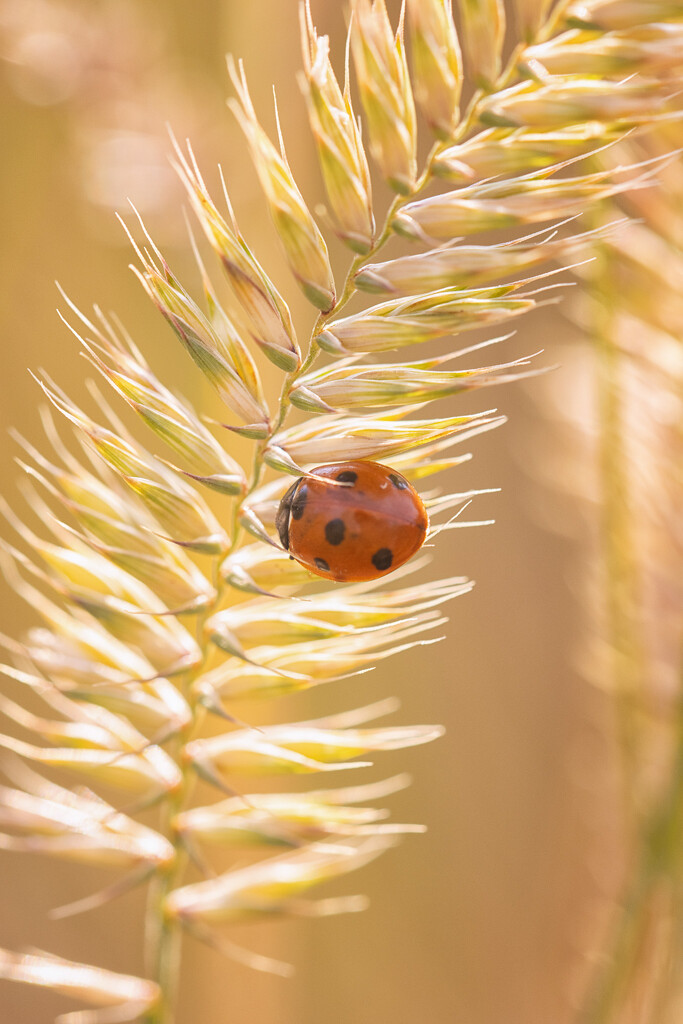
486	918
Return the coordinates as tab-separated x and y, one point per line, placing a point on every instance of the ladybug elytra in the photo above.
356	532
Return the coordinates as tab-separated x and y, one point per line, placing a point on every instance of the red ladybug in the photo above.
353	533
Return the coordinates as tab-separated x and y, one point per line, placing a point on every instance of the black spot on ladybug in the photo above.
320	563
382	559
334	531
347	476
398	482
299	502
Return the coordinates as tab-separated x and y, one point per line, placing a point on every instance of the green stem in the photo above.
162	933
620	575
659	862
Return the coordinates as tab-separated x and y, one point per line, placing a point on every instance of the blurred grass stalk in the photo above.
635	290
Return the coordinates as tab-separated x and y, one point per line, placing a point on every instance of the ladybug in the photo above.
357	532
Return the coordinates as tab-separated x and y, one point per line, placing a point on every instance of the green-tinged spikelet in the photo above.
159	575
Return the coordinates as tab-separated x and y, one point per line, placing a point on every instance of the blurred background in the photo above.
486	919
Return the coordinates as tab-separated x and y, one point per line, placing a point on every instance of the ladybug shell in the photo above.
357	532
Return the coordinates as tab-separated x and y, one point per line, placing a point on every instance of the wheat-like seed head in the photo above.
164	593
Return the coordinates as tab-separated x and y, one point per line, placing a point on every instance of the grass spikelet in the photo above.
268	318
502	152
336	131
574	100
386	93
523	200
131	996
616	14
160	567
484	32
529	16
303	243
437	64
466	265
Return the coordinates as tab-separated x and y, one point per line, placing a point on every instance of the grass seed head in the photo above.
437	64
